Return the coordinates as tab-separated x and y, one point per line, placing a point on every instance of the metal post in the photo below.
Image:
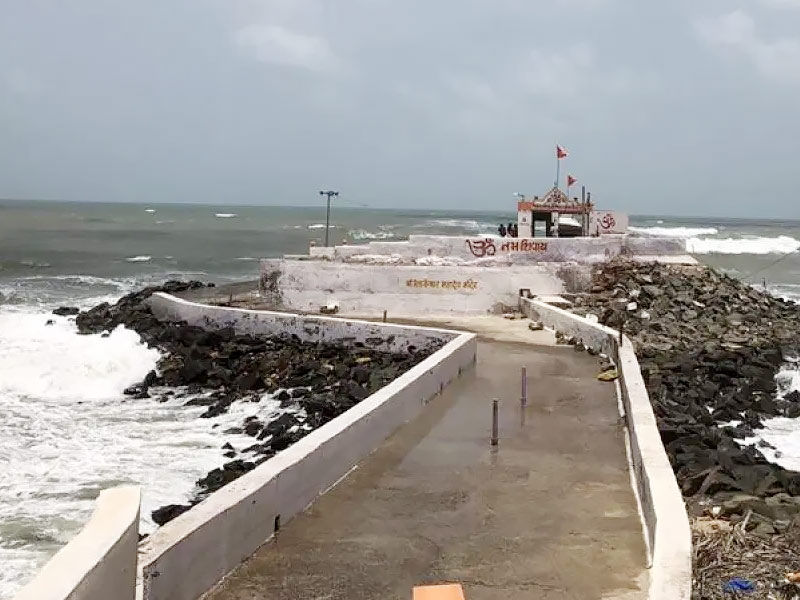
327	220
328	193
384	316
584	214
524	398
621	326
494	421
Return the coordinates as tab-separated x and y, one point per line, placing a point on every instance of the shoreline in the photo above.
312	382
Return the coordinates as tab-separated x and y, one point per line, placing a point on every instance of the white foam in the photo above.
225	215
679	232
149	210
68	433
53	363
139	258
320	226
363	234
461	223
758	245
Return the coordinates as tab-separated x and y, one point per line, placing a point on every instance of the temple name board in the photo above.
487	246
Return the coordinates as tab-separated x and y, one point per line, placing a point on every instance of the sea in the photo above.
66	429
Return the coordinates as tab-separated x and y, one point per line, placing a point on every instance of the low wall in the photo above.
401	289
666	521
381	336
518	250
100	562
187	556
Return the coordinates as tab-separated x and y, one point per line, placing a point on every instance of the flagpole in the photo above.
558	168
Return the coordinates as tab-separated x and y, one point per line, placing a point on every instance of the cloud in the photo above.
556	73
282	46
736	33
781	3
22	82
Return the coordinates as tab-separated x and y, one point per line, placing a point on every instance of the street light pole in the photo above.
328	193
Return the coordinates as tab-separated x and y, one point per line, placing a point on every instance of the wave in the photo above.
140	258
320	226
66	429
363	234
53	363
461	224
761	245
681	232
225	215
150	210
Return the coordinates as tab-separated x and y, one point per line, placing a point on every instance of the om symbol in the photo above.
608	222
482	248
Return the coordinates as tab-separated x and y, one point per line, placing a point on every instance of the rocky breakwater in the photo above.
313	382
709	347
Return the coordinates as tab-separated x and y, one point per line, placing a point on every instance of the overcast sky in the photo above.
685	107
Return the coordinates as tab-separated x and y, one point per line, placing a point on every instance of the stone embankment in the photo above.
313	382
710	347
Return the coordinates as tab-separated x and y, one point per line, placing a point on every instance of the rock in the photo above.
219	367
50	322
219	478
165	514
253	428
64	311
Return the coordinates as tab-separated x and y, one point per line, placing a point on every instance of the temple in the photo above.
557	215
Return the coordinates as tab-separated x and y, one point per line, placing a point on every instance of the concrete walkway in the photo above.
548	514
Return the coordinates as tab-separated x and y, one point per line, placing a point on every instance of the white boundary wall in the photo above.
488	249
666	521
100	562
187	556
381	336
403	289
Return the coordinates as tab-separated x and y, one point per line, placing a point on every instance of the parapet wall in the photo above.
381	336
187	556
492	250
400	289
666	522
100	562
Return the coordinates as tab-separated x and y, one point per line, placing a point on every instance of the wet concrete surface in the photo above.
547	514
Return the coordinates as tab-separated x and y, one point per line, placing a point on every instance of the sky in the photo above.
685	107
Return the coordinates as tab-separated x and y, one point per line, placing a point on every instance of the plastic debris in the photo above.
608	375
738	584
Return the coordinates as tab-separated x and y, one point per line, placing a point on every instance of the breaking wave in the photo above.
225	215
140	258
681	232
761	245
363	234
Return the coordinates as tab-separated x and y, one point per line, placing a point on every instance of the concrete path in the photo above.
548	514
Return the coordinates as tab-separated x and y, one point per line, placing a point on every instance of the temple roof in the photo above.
554	200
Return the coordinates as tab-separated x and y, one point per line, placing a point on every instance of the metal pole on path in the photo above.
384	316
494	421
524	397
